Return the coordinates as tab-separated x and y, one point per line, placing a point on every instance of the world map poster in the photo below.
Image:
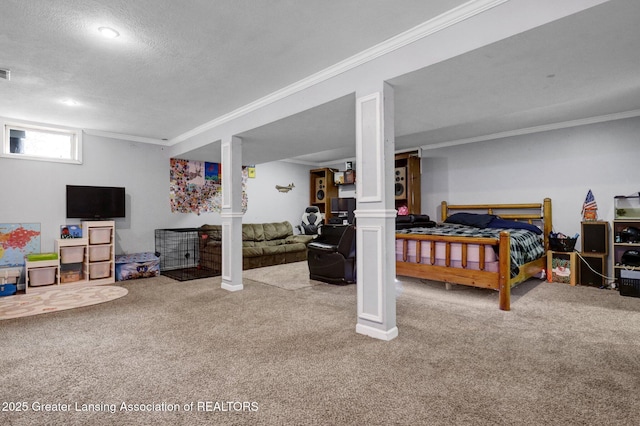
18	240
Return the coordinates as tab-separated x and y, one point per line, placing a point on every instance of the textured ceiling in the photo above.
179	65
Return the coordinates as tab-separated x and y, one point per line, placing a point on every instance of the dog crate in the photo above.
179	254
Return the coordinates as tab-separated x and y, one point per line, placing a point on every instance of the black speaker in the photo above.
320	188
592	267
595	237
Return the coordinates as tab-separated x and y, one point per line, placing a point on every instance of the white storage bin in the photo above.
9	275
42	276
99	270
98	253
99	235
71	254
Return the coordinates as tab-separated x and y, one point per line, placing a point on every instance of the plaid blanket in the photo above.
525	245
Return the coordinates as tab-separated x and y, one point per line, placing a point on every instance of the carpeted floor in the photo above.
268	356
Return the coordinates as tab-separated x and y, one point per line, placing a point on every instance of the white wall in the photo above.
560	164
34	192
267	204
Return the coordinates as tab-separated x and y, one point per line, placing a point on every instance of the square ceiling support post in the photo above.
231	215
375	213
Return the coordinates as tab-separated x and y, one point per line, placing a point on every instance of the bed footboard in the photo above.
481	277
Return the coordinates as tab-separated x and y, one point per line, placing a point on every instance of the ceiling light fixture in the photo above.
70	102
108	32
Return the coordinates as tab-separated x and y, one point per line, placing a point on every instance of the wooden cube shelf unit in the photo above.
562	267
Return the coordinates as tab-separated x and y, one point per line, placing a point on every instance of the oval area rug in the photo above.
54	300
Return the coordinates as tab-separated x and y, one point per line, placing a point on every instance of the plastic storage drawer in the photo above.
99	270
99	253
42	276
99	235
71	254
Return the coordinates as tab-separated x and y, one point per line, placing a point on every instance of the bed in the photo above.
483	256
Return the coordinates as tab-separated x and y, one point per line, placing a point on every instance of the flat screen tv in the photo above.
95	202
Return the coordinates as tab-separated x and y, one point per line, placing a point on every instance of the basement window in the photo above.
57	144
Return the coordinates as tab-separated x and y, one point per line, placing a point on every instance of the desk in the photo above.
562	267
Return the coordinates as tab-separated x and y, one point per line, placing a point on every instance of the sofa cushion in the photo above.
252	232
277	231
252	251
296	239
271	250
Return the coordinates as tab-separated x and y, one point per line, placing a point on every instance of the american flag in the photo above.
589	202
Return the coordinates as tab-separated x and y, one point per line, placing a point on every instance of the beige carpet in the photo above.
56	299
292	276
268	356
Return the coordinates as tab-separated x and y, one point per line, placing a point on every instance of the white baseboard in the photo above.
232	287
376	333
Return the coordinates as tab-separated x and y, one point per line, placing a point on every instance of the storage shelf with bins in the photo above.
72	254
626	240
41	273
101	251
68	268
87	260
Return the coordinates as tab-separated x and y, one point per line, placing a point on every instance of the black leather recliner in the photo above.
332	256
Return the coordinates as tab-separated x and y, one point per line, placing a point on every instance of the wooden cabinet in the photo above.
561	267
407	179
322	190
626	255
407	187
100	251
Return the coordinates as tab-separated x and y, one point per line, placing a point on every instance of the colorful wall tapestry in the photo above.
196	186
18	240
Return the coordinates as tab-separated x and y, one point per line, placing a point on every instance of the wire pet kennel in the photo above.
179	253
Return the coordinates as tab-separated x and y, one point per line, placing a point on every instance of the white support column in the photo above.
232	213
375	214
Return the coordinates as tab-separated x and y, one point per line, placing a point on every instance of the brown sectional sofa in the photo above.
263	244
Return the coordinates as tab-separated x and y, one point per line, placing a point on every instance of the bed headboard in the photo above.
533	213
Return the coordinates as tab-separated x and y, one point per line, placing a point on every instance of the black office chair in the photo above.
332	256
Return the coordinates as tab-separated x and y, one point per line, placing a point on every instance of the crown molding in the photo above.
427	28
121	136
537	129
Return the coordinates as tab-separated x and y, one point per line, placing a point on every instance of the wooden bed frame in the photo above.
532	213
